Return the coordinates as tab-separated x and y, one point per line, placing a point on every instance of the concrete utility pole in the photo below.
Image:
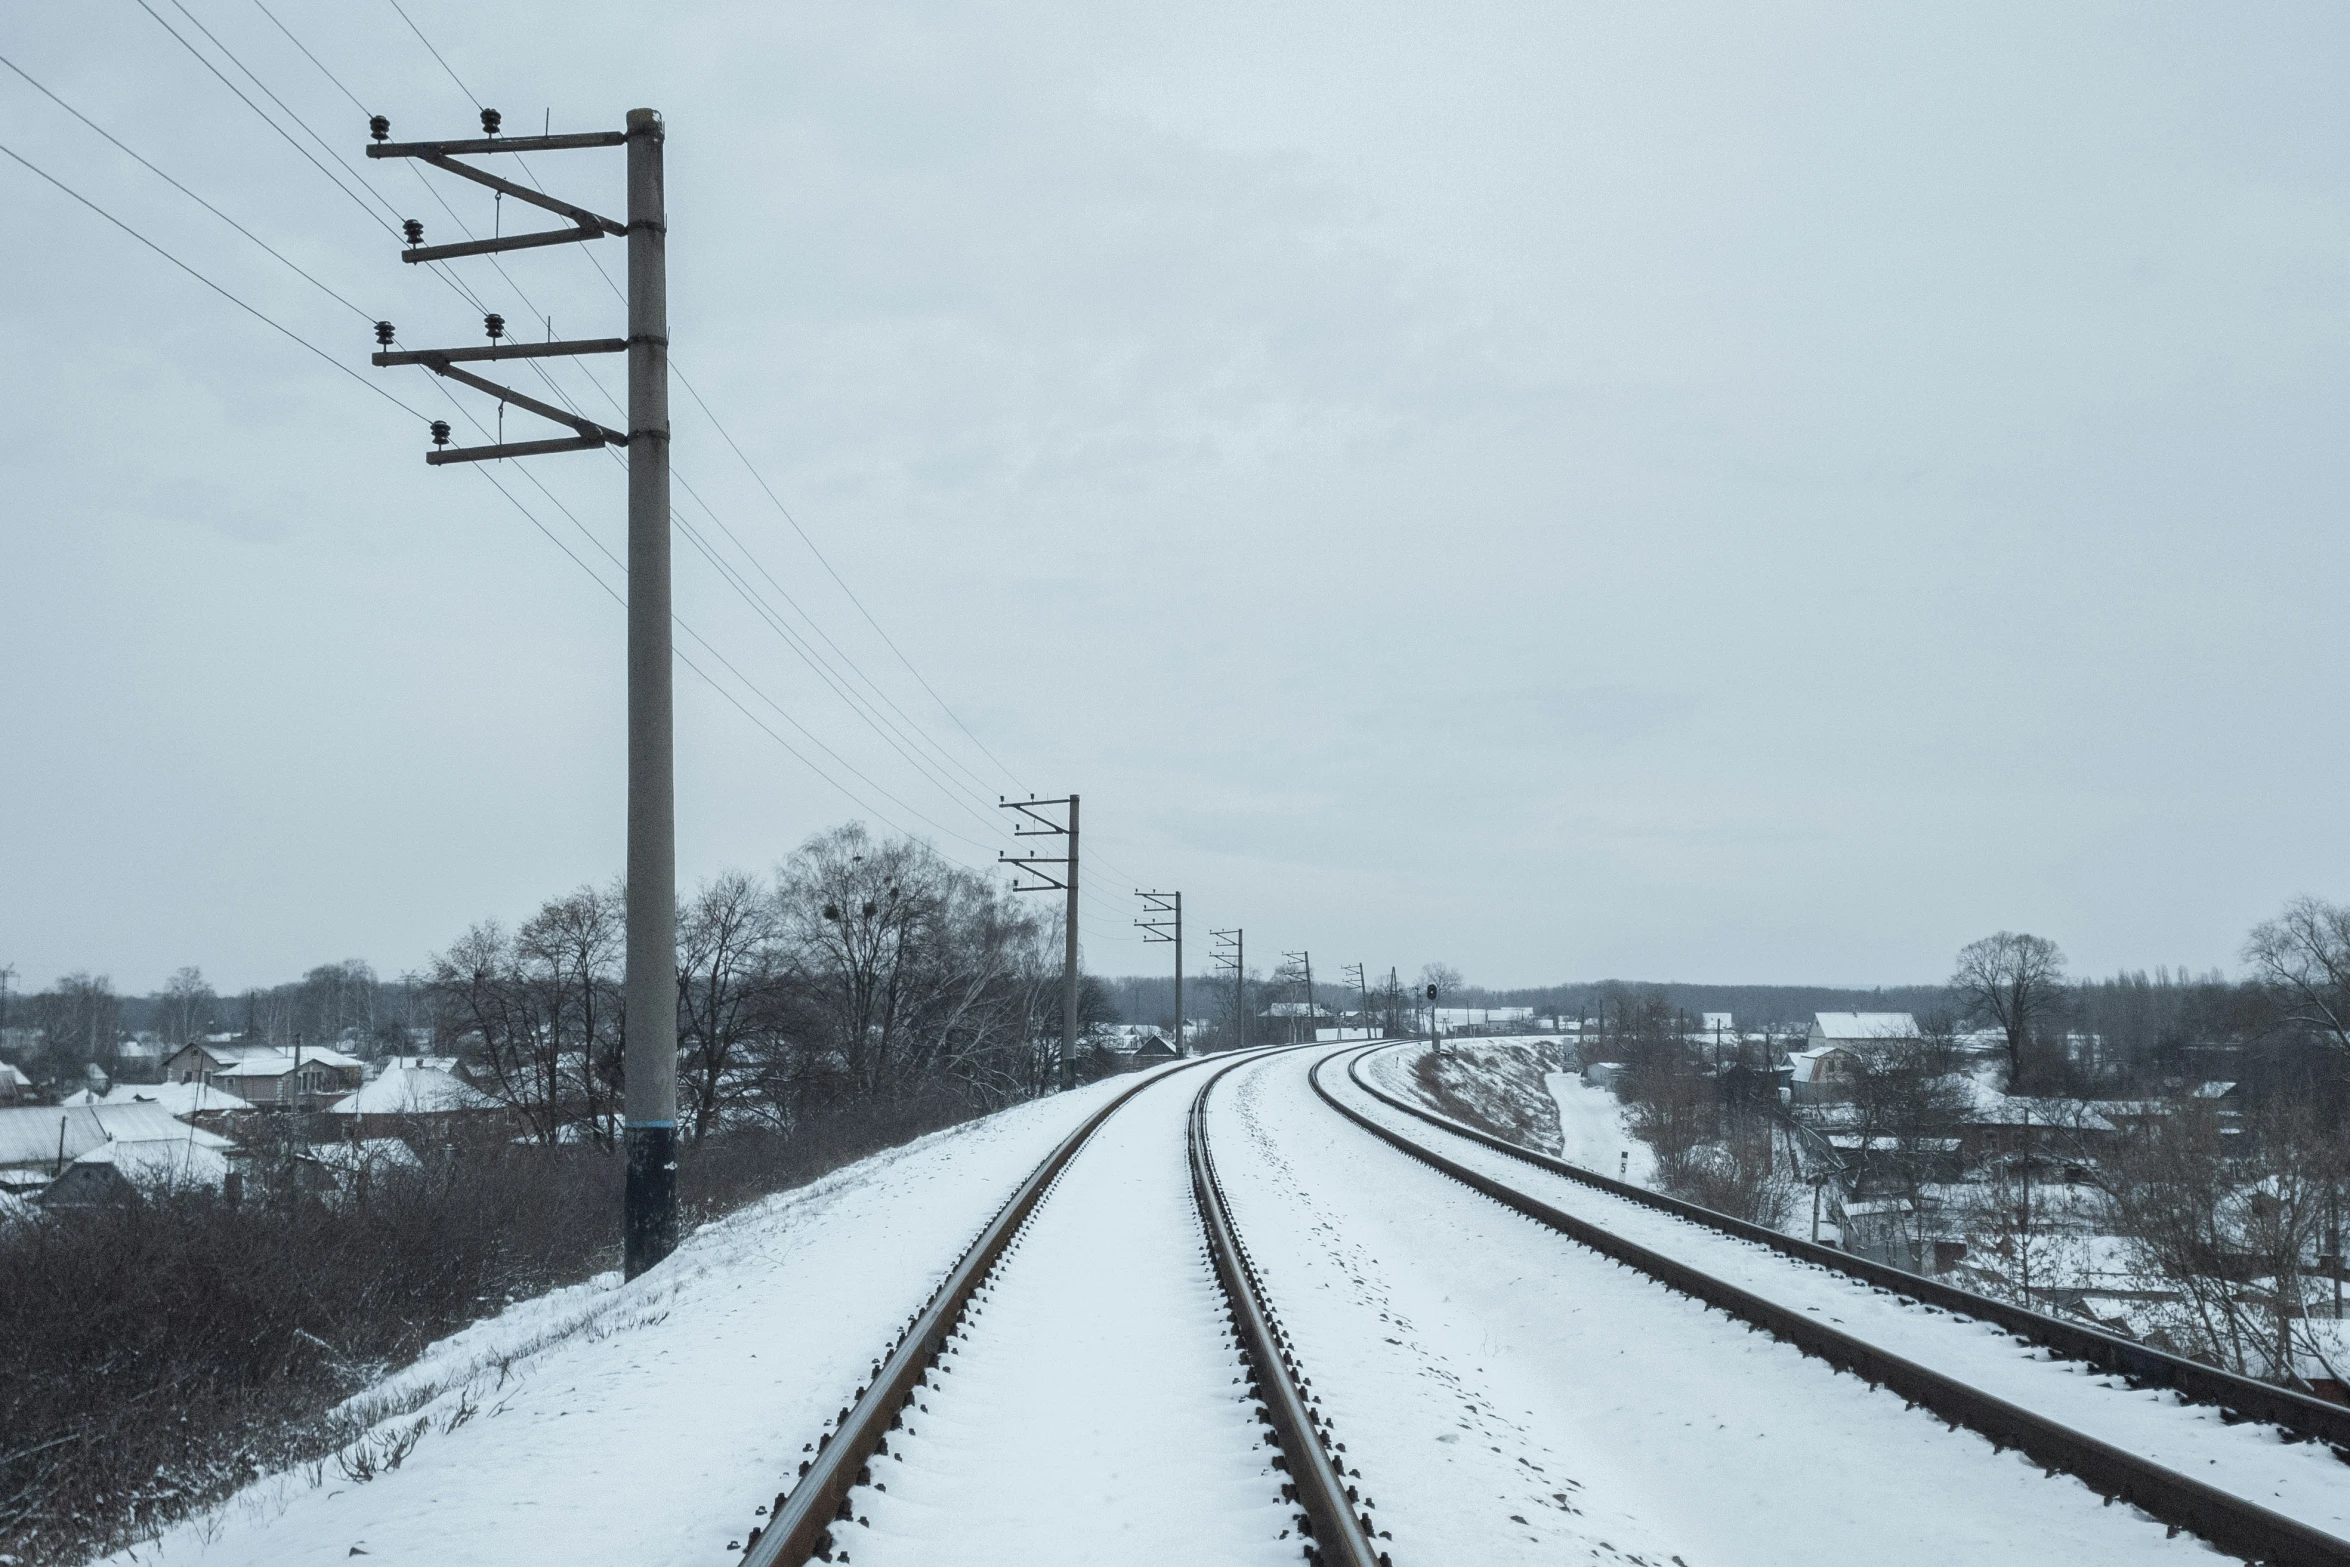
649	1003
1305	961
1045	827
649	998
1354	971
1166	924
1232	953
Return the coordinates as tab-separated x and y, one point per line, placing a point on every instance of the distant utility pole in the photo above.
1232	953
1165	923
649	1009
1354	971
1305	961
1045	827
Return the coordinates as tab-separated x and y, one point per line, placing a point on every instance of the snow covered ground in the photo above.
1510	1396
1592	1132
1507	1395
2301	1480
643	1423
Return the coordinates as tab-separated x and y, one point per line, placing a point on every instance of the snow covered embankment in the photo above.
643	1422
1495	1085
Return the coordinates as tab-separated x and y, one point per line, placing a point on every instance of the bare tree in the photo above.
729	990
2302	959
569	954
482	1000
187	1005
2016	981
80	1018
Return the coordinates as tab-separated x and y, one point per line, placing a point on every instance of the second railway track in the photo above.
2227	1515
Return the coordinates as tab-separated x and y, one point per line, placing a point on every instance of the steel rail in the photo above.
2226	1520
2141	1364
800	1525
1339	1534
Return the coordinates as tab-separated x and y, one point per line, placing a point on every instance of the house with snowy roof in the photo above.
1859	1030
409	1099
119	1171
200	1104
39	1144
272	1077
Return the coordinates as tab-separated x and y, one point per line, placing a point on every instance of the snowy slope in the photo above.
643	1423
1592	1132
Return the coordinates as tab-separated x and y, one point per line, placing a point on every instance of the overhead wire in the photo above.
294	266
266	320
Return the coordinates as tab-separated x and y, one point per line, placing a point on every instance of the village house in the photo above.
407	1100
120	1171
39	1144
199	1104
271	1077
15	1087
1858	1030
1823	1075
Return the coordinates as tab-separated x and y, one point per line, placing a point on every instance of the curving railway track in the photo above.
1925	1341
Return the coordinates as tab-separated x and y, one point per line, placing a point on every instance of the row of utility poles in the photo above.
650	981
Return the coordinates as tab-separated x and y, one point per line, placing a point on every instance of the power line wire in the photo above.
296	268
265	118
267	321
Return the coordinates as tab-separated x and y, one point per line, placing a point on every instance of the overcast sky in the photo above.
1681	492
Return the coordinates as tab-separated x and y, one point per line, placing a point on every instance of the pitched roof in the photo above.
177	1098
162	1163
277	1060
31	1135
412	1090
1865	1025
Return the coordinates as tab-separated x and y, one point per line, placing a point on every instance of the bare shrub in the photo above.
155	1356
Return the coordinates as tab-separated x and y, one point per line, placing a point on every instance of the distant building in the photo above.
1859	1029
272	1077
122	1171
409	1098
14	1085
39	1144
202	1104
1822	1075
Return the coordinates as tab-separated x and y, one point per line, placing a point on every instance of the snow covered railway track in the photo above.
2219	1515
2141	1365
1093	1377
1319	1473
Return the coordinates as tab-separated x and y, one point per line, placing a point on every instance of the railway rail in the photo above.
2230	1521
1334	1523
